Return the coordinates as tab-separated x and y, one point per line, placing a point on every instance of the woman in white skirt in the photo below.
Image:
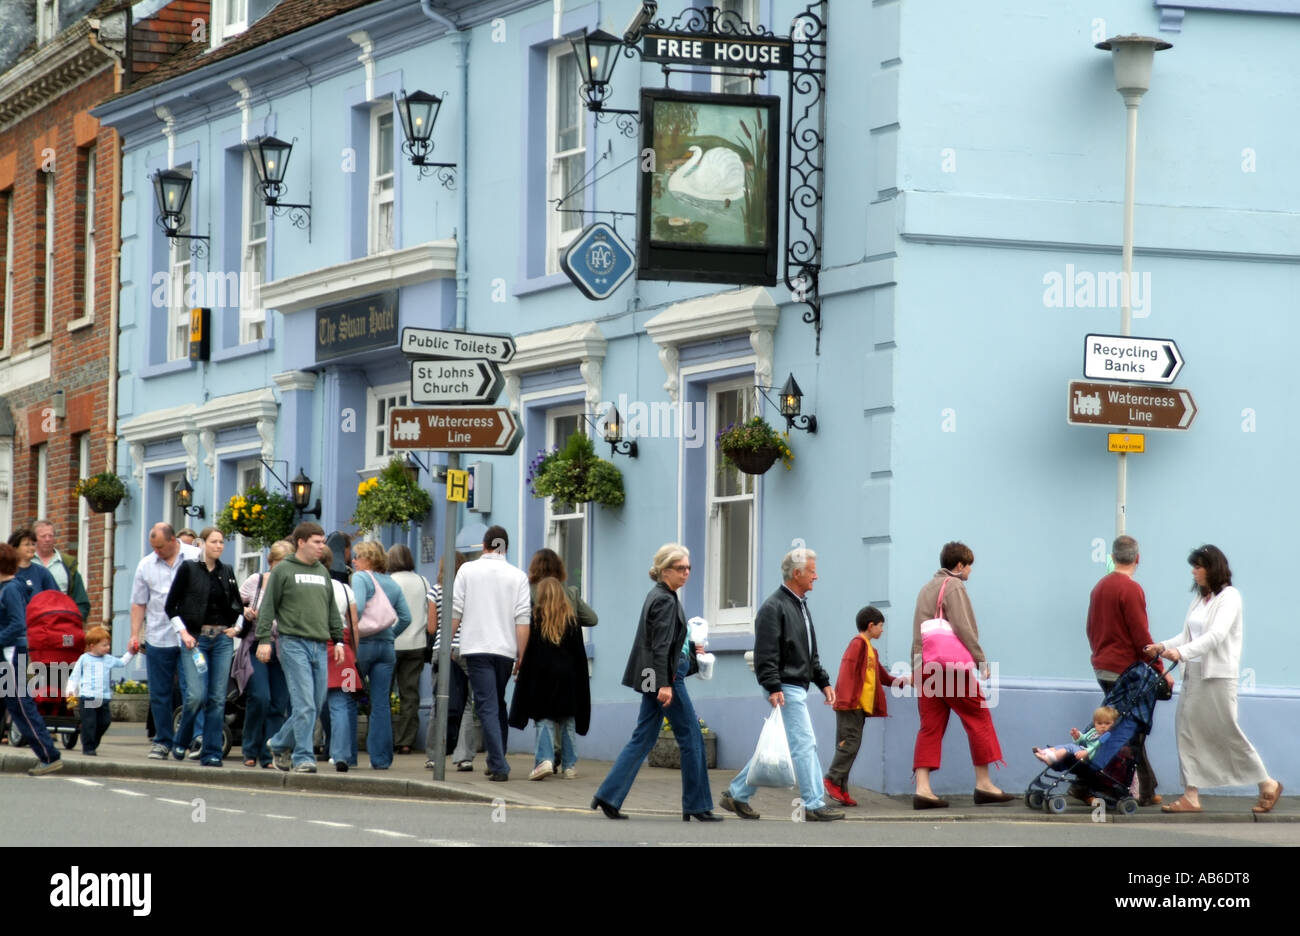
1212	750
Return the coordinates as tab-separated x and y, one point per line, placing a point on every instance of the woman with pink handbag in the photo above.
384	615
945	653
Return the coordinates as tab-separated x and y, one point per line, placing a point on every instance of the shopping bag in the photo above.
772	765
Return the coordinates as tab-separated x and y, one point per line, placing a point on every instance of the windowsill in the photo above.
542	283
732	642
38	341
243	350
169	367
84	322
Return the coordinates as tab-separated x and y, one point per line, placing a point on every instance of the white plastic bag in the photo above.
772	764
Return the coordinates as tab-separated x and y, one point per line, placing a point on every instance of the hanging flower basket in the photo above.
258	514
754	446
389	498
576	475
103	492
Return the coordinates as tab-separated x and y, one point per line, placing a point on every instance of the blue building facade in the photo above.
972	220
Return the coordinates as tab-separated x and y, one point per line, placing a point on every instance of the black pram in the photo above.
1108	774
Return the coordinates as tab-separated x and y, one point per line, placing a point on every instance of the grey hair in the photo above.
668	554
795	559
1124	550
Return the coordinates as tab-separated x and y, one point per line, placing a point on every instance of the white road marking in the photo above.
389	833
175	802
237	812
128	792
449	843
332	825
274	816
82	781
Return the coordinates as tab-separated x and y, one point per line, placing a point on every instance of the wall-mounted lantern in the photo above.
185	500
614	435
300	494
271	159
419	112
171	191
788	404
597	53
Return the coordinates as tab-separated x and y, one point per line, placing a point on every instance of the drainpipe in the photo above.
461	40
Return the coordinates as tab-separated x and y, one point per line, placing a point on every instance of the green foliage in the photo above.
389	498
259	515
103	486
753	436
577	475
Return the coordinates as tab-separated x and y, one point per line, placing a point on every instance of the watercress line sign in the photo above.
762	53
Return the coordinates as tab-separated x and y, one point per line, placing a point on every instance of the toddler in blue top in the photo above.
89	684
1086	743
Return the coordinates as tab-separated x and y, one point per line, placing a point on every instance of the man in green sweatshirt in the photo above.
300	600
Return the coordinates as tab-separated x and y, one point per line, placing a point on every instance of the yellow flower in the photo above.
257	508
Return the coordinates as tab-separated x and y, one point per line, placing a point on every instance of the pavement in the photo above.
123	753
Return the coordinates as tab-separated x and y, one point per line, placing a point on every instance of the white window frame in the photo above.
734	618
550	519
83	512
88	276
244	548
42	479
252	316
170	511
9	273
228	18
394	394
49	254
47	20
735	84
178	318
382	185
558	237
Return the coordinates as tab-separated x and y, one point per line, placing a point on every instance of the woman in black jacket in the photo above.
206	610
657	668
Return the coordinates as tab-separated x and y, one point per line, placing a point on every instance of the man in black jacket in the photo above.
785	662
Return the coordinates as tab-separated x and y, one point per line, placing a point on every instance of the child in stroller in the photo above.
1107	770
1085	744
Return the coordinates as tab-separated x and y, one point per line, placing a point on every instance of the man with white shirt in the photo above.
491	610
153	580
62	567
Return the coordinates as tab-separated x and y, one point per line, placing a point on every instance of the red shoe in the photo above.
839	795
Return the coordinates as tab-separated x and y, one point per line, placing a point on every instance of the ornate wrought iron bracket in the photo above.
805	162
198	242
628	122
299	215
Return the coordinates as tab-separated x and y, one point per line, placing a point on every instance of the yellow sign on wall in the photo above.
457	486
1127	442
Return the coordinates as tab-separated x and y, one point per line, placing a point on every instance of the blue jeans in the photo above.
267	707
205	696
488	676
160	670
342	712
376	659
22	709
568	742
686	729
306	674
803	751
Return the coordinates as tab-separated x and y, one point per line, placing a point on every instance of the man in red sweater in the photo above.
1117	632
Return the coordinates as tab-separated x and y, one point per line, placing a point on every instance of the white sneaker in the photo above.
542	771
569	773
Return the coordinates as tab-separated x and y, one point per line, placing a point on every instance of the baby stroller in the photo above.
1108	774
55	640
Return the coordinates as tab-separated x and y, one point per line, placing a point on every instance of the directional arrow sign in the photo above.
1133	360
462	346
488	430
453	382
1108	404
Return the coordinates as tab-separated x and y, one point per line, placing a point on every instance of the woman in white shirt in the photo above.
1212	750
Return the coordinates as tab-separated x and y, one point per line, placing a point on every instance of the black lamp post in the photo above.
185	500
171	191
791	400
300	492
597	53
271	159
614	435
419	112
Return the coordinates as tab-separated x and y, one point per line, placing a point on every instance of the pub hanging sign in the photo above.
761	53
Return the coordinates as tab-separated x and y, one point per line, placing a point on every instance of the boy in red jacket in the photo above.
859	695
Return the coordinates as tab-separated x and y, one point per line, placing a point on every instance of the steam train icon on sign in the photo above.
406	429
1087	404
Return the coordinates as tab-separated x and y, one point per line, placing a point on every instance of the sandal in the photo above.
1180	805
1266	803
250	763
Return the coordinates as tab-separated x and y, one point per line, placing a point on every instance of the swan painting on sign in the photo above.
708	198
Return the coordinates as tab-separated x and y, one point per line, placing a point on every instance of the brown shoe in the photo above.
743	810
1154	799
928	802
983	798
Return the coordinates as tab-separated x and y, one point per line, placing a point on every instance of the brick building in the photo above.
60	185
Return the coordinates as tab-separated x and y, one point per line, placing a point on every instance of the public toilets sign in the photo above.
1133	360
462	346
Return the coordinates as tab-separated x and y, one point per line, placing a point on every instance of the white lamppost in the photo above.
1132	56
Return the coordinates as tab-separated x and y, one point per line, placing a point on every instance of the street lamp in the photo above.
171	191
271	160
789	403
1132	56
419	112
185	500
300	493
614	435
597	53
